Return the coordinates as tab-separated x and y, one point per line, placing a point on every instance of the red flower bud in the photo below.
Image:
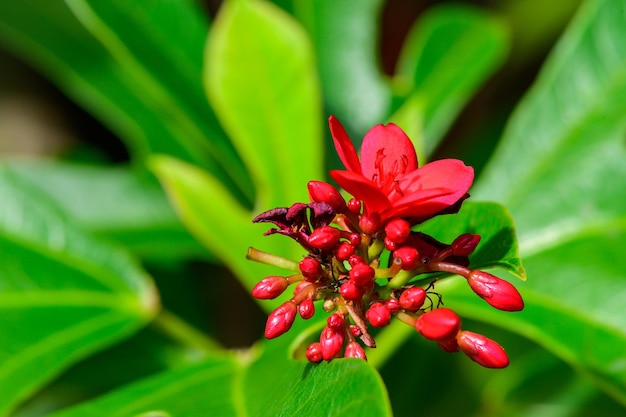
355	239
362	274
397	230
325	237
482	350
314	352
355	330
412	299
465	244
270	287
343	251
392	305
354	350
331	342
280	320
306	309
355	259
378	315
335	322
350	291
409	257
439	324
310	268
390	244
321	192
449	345
354	205
370	224
497	292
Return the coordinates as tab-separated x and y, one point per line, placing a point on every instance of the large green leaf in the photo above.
63	295
260	78
268	385
447	55
345	39
139	73
560	170
118	203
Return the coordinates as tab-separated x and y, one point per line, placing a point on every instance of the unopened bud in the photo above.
354	206
332	342
270	287
280	320
370	224
335	322
325	237
354	350
439	324
350	291
497	292
378	315
306	309
397	230
361	274
465	244
409	257
343	251
412	299
314	352
322	192
482	350
311	268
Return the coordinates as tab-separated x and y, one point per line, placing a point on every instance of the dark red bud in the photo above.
325	237
350	291
311	268
335	322
355	239
392	304
370	224
482	350
397	230
439	324
465	244
390	244
306	309
331	342
314	352
449	345
378	315
412	299
270	287
354	350
355	330
354	206
355	259
343	251
497	292
362	274
409	257
280	320
321	192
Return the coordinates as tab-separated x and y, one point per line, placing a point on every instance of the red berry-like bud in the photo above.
355	239
325	237
361	274
310	268
355	260
344	251
280	320
314	352
306	309
322	192
378	315
497	292
482	350
390	244
270	287
355	330
465	244
331	342
439	324
412	299
397	230
409	257
370	224
350	291
354	350
354	205
335	322
392	305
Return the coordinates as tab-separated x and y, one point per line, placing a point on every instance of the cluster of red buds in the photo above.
366	263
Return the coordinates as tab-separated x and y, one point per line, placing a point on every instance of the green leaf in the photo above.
498	244
345	39
117	203
260	78
270	385
139	73
447	55
63	294
560	170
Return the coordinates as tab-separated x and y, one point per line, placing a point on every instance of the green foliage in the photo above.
230	117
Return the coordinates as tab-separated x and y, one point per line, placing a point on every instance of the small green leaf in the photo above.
448	54
63	294
270	385
498	244
260	77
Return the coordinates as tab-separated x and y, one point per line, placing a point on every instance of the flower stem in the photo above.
450	267
401	279
271	259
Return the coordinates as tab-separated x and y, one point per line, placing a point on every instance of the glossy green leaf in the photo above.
498	244
260	78
143	81
63	295
447	55
560	170
345	39
118	203
269	385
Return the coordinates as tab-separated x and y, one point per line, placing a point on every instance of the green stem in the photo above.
271	259
183	333
401	278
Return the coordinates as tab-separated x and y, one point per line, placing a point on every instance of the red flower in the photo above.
387	178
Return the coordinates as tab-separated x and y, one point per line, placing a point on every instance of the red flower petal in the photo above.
450	174
343	145
390	141
362	189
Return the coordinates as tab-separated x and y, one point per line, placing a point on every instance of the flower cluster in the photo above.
366	261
